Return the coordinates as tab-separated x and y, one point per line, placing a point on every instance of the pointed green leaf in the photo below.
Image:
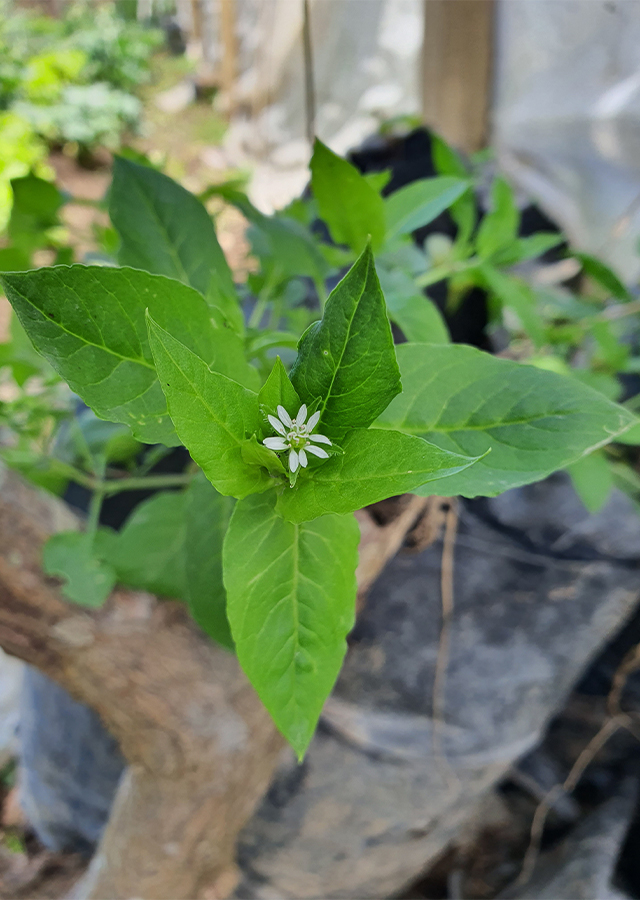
278	391
291	603
87	581
88	322
347	359
212	415
256	454
374	465
207	517
605	276
351	207
413	312
500	225
446	160
518	296
534	421
166	230
420	202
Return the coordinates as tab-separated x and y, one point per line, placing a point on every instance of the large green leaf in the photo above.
351	207
375	464
207	516
420	202
533	421
291	602
212	414
166	230
149	552
347	360
88	322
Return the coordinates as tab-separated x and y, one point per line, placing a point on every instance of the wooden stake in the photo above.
456	70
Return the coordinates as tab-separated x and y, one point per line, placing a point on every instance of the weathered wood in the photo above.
201	747
456	70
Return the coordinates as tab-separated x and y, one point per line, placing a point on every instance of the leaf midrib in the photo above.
199	396
440	429
134	359
344	347
184	275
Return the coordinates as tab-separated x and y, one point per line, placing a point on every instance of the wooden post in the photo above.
456	70
229	68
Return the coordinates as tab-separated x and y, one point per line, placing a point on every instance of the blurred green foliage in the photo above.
67	80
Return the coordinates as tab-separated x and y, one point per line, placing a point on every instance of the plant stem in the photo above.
115	485
148	482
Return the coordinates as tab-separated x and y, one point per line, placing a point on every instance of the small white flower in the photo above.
296	437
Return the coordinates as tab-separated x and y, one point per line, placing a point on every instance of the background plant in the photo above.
72	79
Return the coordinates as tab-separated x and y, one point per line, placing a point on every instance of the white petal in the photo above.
275	443
284	415
293	460
319	439
317	451
276	424
302	415
302	456
313	421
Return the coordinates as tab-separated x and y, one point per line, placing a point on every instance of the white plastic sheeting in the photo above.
366	65
11	670
567	117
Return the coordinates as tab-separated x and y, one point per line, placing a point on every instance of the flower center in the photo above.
297	438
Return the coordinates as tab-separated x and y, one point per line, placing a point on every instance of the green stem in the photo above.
145	483
116	485
95	504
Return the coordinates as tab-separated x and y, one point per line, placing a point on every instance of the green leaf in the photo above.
255	454
88	322
592	479
534	421
421	321
278	391
604	275
632	436
207	518
87	581
212	414
149	553
12	259
500	226
420	202
445	159
291	603
518	296
283	243
351	207
417	315
166	230
35	210
347	359
528	248
611	351
375	464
